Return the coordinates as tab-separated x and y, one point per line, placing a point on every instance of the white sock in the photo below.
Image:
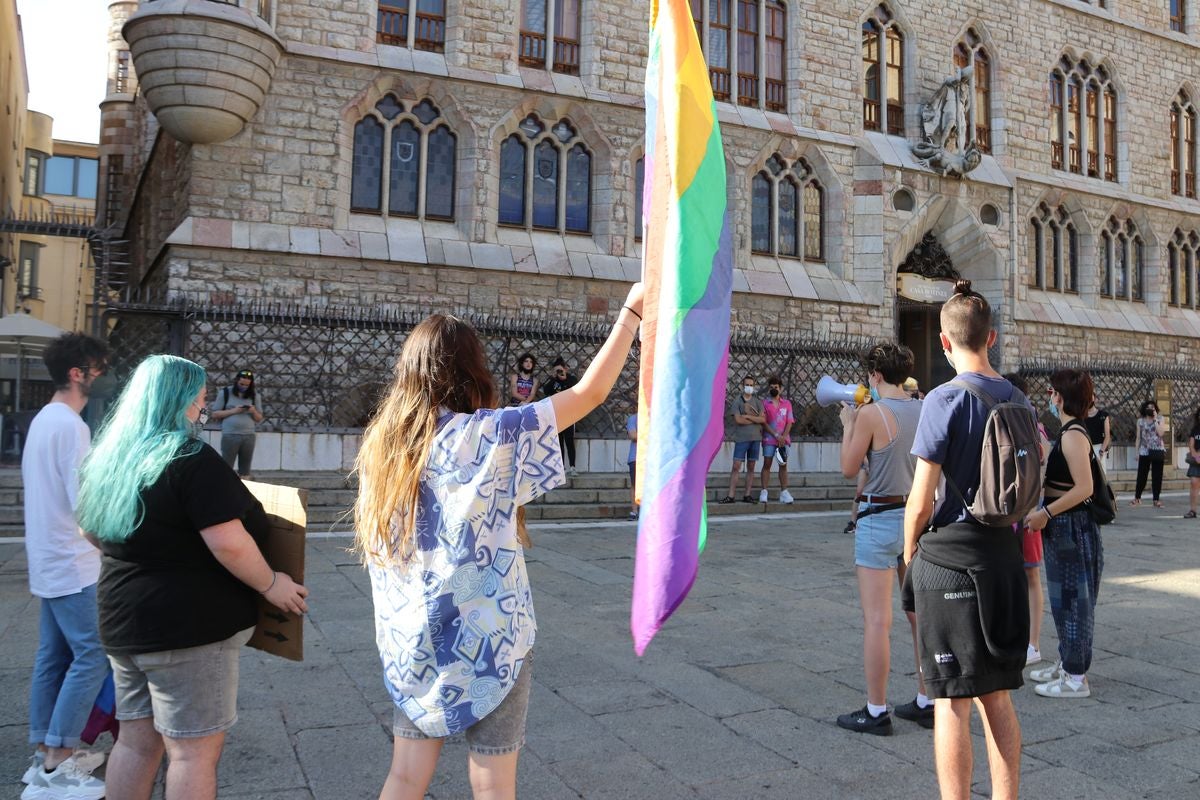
876	711
923	701
1077	678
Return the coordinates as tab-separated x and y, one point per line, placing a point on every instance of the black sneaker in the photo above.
850	526
914	713
726	500
862	722
746	498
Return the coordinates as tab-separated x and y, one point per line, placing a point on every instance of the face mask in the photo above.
202	420
774	393
949	360
748	389
1054	409
104	386
875	394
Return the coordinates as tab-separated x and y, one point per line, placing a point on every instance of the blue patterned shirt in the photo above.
455	623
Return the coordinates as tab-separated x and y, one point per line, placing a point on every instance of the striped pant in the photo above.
1074	559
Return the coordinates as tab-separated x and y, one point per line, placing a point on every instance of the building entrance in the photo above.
924	281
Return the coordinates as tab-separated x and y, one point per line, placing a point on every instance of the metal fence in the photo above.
1121	387
322	369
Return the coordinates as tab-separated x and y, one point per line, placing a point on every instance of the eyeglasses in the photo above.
96	369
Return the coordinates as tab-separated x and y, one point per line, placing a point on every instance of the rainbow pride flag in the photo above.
688	271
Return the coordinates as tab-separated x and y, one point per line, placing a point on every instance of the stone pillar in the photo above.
117	119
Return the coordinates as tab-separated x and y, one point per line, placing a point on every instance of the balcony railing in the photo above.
29	292
1056	155
431	33
1093	164
1075	155
870	115
566	56
983	138
895	119
1189	183
1110	168
747	89
533	49
776	96
720	83
393	27
1175	182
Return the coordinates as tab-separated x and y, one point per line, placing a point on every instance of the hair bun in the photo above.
962	286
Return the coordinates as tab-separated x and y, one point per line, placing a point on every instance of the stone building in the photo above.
418	153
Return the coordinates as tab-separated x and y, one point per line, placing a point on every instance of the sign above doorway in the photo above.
922	289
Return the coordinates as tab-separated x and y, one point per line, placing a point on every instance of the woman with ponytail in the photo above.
443	475
180	573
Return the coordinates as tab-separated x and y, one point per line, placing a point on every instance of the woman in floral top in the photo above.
443	475
1152	453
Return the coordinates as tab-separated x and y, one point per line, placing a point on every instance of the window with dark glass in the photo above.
1055	250
1085	126
883	73
559	52
639	187
1124	261
413	146
1178	9
33	173
70	176
27	270
546	177
744	43
1182	259
970	53
787	212
422	28
1183	146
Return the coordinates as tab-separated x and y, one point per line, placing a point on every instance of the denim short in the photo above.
769	452
878	538
499	733
744	450
189	693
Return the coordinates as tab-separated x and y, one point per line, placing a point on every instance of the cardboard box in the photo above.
279	632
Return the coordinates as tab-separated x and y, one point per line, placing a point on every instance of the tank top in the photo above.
1058	472
524	386
890	468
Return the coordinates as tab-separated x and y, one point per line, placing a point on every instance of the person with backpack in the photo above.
966	576
239	409
1073	550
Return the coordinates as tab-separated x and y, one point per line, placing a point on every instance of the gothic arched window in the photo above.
546	178
787	215
1183	261
970	53
1183	145
1085	127
414	147
1124	257
883	73
1055	249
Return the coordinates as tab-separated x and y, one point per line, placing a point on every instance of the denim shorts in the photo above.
878	538
499	733
189	693
769	452
746	450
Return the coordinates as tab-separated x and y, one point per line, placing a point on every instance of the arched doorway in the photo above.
924	280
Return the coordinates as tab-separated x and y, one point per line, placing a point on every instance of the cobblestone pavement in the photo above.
735	698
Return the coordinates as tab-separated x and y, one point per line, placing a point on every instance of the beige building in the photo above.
407	153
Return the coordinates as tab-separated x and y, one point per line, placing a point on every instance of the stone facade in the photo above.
266	213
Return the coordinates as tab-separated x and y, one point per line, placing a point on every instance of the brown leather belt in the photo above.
882	499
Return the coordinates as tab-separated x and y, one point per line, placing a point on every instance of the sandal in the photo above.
1137	501
1190	515
1158	504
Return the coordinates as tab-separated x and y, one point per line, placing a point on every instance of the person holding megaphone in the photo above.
882	433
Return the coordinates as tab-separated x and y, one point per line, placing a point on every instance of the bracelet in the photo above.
274	577
1049	516
631	311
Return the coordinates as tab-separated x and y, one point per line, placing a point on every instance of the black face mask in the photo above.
774	392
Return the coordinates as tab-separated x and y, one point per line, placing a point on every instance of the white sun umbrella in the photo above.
23	336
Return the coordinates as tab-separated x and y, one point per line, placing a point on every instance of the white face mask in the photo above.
748	389
949	360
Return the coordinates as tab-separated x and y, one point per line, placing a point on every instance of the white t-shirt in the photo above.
61	561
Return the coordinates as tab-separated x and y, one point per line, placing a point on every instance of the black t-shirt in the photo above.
1095	426
162	588
554	385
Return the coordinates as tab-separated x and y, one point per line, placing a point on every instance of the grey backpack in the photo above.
1010	471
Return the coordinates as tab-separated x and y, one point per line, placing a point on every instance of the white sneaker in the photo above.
574	473
762	496
1065	687
1046	674
35	766
1032	655
786	498
67	782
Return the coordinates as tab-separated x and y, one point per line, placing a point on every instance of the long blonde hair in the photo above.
441	365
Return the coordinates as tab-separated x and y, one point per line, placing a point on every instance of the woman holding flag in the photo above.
443	475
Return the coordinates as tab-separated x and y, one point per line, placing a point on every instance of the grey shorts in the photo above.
189	693
500	732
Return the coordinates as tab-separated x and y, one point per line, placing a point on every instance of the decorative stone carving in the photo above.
949	145
204	67
930	260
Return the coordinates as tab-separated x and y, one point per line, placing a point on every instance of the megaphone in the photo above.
830	392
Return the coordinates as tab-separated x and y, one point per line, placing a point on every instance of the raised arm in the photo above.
572	405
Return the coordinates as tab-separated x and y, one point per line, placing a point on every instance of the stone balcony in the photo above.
204	67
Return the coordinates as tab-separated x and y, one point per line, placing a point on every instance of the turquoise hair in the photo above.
146	430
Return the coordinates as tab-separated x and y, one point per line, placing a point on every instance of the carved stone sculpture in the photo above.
949	145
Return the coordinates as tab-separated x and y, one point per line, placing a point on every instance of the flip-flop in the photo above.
1135	502
1158	504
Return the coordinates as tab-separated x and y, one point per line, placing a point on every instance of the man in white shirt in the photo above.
70	665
